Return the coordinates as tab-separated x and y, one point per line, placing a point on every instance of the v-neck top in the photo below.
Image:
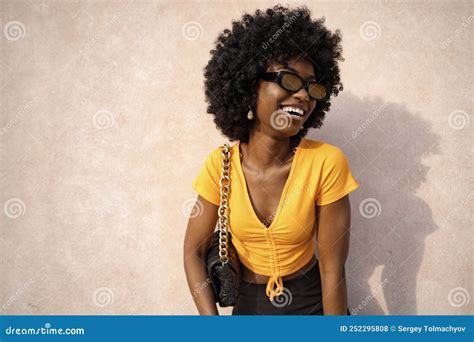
319	175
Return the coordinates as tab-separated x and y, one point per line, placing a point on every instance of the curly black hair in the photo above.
254	43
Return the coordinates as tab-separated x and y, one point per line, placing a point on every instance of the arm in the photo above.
333	246
196	242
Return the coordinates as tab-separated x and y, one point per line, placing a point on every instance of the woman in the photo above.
269	80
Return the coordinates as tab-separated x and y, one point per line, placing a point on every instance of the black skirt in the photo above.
301	295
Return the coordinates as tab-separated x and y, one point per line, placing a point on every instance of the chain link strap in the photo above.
223	220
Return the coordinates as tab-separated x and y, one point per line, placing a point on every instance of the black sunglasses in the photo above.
293	82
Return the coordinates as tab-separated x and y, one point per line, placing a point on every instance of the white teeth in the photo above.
293	110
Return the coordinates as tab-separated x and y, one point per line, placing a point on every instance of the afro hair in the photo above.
255	42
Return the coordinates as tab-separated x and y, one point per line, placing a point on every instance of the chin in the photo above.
291	131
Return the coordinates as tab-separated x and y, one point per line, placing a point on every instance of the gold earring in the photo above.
250	114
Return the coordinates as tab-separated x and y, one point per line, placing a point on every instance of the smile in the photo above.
293	110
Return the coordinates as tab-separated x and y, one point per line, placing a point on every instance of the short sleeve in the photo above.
206	183
336	178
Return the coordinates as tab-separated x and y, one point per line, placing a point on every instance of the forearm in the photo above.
199	285
334	291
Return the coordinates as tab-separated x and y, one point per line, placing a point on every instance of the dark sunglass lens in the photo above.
317	91
291	82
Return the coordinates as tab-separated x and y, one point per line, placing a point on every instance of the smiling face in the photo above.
271	119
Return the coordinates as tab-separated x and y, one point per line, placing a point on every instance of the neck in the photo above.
263	151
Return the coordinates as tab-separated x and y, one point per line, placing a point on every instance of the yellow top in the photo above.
319	174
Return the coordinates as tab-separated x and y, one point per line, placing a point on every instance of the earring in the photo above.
250	114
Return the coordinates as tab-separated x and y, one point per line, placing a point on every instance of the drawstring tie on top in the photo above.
275	280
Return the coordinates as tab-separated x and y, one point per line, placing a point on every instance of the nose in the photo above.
302	94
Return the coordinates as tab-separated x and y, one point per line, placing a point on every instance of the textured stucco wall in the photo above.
103	128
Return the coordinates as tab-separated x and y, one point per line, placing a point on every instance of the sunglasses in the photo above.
293	82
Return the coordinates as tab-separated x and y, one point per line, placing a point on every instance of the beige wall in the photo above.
103	128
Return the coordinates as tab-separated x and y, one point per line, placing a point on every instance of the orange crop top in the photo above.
319	174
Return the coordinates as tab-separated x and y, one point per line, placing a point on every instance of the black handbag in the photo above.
222	261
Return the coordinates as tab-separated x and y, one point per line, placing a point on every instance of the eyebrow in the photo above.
311	77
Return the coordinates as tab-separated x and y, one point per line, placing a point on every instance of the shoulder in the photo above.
323	151
215	153
215	156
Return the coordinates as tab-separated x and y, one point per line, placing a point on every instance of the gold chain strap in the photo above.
223	208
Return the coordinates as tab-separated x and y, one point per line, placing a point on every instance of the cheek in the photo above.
270	94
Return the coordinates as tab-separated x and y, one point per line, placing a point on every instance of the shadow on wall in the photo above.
385	145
